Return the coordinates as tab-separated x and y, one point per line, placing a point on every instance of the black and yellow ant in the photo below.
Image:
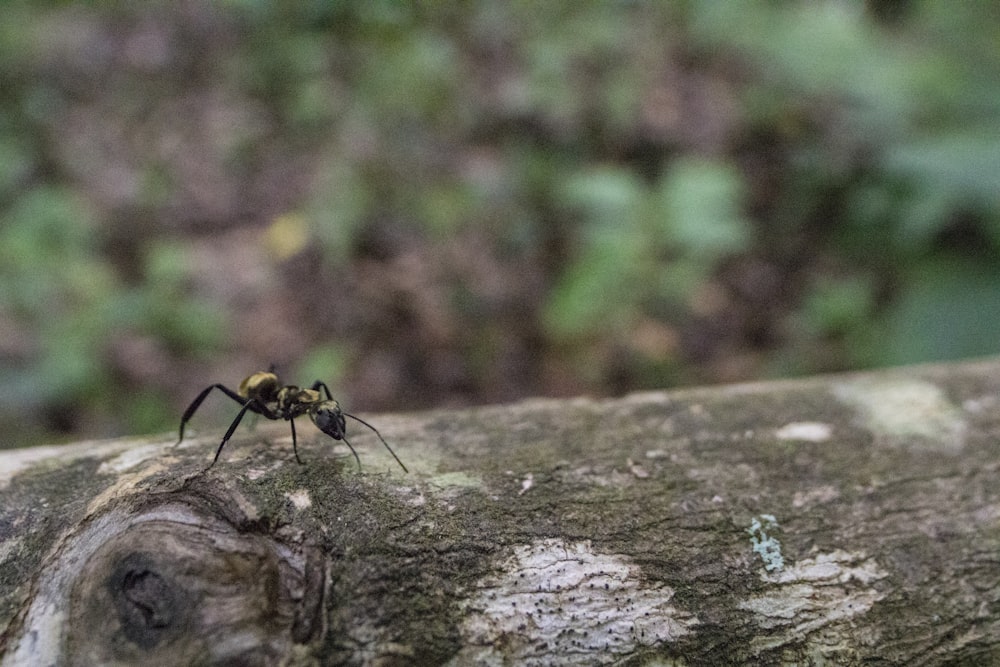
263	394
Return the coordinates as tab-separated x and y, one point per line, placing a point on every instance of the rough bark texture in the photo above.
841	520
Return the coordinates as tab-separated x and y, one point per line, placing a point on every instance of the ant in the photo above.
264	395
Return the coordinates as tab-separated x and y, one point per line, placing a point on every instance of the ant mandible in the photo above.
264	395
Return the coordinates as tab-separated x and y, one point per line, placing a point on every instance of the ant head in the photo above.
329	418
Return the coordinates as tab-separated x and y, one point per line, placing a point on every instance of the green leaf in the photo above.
599	291
699	211
950	310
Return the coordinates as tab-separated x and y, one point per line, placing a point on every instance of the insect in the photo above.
263	394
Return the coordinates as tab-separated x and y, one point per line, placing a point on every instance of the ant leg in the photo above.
351	447
249	405
375	430
295	447
196	403
319	384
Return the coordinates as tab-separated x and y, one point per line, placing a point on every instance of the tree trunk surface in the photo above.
840	520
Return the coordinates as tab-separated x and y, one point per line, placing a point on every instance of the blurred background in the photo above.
467	202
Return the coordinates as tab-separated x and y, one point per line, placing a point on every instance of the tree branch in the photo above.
848	519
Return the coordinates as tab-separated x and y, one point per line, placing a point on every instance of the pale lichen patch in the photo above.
15	461
457	479
122	484
299	498
906	412
130	458
815	496
814	593
637	470
838	566
526	484
806	431
559	603
766	545
254	473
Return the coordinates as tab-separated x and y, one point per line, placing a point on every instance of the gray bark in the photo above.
836	520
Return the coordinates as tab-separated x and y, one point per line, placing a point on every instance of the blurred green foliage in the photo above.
642	245
474	201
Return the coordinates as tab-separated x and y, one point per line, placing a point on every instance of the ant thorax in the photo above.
293	401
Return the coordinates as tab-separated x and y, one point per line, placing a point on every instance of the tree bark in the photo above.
836	520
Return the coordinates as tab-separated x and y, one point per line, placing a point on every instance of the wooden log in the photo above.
834	520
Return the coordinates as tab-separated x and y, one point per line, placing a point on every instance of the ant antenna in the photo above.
374	430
